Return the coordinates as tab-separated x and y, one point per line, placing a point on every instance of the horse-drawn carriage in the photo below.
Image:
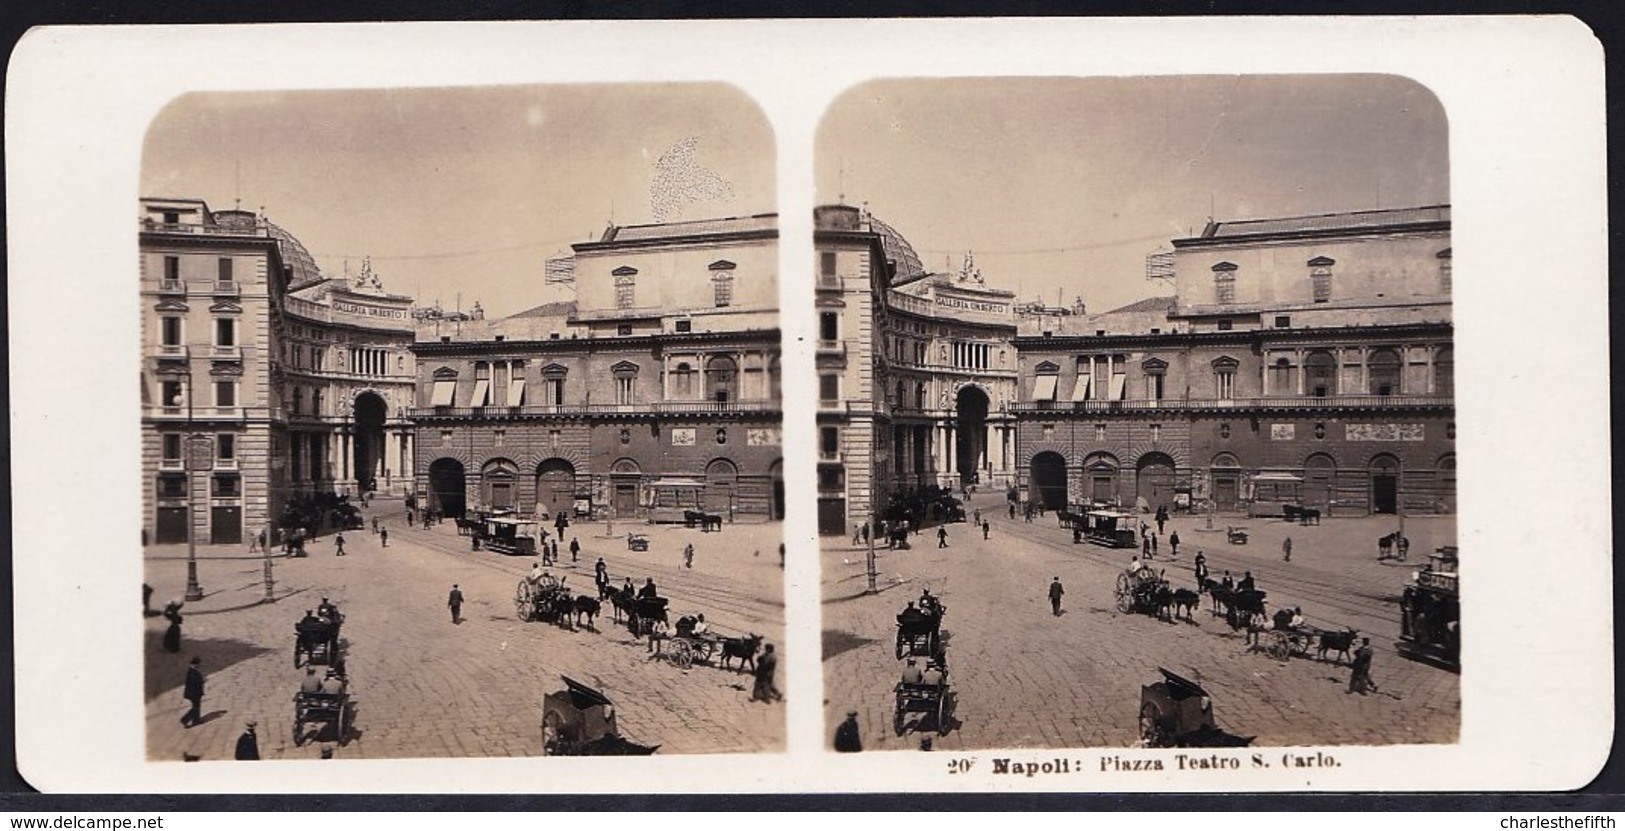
932	699
1177	712
1235	534
547	599
1143	590
580	721
1286	640
919	631
323	710
645	613
316	639
1430	611
637	542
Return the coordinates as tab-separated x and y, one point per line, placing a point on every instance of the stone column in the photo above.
1303	370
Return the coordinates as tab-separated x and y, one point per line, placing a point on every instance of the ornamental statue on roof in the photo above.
969	271
367	281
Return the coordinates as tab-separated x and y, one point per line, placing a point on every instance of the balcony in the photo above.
1304	402
650	408
171	286
170	351
227	288
829	281
225	464
832	348
226	353
171	464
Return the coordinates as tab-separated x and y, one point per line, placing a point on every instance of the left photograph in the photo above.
461	424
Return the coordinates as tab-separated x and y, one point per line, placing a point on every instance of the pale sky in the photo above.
1068	183
458	190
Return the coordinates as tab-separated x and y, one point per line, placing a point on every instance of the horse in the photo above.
1339	642
742	648
711	522
1187	600
622	602
1385	545
585	606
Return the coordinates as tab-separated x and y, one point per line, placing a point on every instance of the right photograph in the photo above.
1136	421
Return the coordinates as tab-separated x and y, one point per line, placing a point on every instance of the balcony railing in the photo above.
1301	402
230	288
171	464
654	407
832	347
149	224
232	352
172	286
170	350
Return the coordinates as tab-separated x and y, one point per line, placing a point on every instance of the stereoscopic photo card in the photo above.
996	405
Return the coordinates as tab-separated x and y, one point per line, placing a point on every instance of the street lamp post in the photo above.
195	443
871	563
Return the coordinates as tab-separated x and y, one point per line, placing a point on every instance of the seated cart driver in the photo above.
536	574
327	611
1297	617
334	683
700	626
912	674
929	603
648	592
310	629
935	674
911	615
1282	620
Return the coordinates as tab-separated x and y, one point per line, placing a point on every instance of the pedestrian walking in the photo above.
1145	547
1286	549
976	517
248	744
865	529
766	666
1012	510
781	555
846	735
1055	592
383	537
986	528
575	549
857	534
688	556
338	544
256	542
375	525
1162	517
561	523
192	691
1153	545
1201	570
172	635
942	536
600	573
1360	669
409	517
455	602
1173	544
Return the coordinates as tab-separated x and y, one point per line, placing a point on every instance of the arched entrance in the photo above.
1100	477
1446	472
970	433
1154	479
370	414
498	479
1384	474
777	474
1383	369
721	482
1319	479
1049	480
624	477
1226	474
446	487
556	486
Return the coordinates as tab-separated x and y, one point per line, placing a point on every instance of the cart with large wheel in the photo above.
546	598
321	710
646	614
316	640
1141	590
919	633
1177	712
580	721
689	644
931	700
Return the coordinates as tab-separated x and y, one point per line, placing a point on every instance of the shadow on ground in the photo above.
166	671
837	641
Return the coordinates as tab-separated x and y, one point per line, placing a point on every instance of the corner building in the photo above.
1301	358
657	388
261	379
916	371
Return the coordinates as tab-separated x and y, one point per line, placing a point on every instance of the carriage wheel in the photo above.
550	733
1123	583
344	732
1151	725
682	654
942	713
1280	647
901	640
898	716
296	656
934	644
522	603
298	734
1125	600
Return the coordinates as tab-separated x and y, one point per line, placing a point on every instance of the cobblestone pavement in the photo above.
1025	678
426	688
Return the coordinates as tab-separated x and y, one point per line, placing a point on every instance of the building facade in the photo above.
249	396
917	371
1304	359
657	388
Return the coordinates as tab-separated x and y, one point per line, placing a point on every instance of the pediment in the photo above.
624	367
226	307
624	271
1226	266
173	306
1047	368
722	265
1225	362
445	373
1322	262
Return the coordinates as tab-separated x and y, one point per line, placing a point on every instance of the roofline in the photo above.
1206	238
1236	336
666	339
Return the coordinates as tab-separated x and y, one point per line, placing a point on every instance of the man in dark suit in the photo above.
193	693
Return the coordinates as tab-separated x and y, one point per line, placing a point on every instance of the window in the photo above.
553	376
626	286
228	485
316	402
172	486
225	270
1382	370
172	447
1226	325
445	437
225	447
685	325
1049	432
1320	277
172	394
624	330
1224	283
444	390
826	269
1224	429
225	393
1450	431
1444	372
1320	429
722	379
829	388
498	437
722	288
298	400
1320	374
1153	387
1100	432
172	268
1283	321
1281	377
1224	378
1156	432
624	386
1445	284
831	478
683	376
829	326
829	442
170	328
225	332
172	217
